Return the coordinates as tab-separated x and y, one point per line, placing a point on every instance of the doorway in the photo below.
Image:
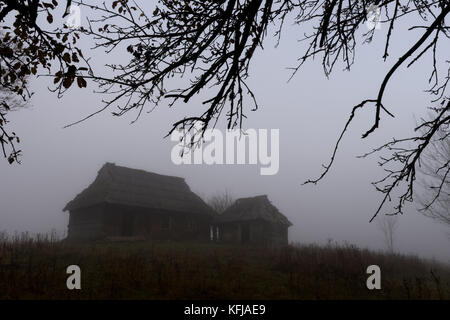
245	233
127	224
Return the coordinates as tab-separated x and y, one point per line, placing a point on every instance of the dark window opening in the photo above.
245	233
191	225
166	223
127	224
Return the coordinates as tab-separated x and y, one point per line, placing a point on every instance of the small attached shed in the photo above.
254	221
131	203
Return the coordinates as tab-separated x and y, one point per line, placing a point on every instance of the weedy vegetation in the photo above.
34	267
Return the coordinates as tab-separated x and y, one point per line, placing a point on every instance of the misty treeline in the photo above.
211	45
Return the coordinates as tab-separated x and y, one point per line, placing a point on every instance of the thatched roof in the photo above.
139	188
258	207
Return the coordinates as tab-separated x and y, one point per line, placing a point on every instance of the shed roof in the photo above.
258	207
138	188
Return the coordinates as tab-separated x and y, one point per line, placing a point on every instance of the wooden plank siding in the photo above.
110	220
259	233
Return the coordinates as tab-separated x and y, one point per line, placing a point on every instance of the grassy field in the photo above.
36	269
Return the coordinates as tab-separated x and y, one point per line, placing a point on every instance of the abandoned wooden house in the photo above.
124	202
254	221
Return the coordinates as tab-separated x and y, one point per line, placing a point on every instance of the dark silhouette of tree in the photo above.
220	201
388	225
28	45
8	139
211	43
435	181
406	156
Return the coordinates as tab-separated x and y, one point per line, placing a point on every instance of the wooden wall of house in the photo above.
277	234
230	232
86	223
109	220
259	232
252	232
123	221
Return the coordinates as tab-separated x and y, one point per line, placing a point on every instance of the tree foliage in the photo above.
211	45
8	139
29	44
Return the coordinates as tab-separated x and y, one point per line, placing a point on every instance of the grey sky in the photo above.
310	111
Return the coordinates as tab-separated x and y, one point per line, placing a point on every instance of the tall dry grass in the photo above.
34	267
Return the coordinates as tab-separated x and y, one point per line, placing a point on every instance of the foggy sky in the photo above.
310	111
